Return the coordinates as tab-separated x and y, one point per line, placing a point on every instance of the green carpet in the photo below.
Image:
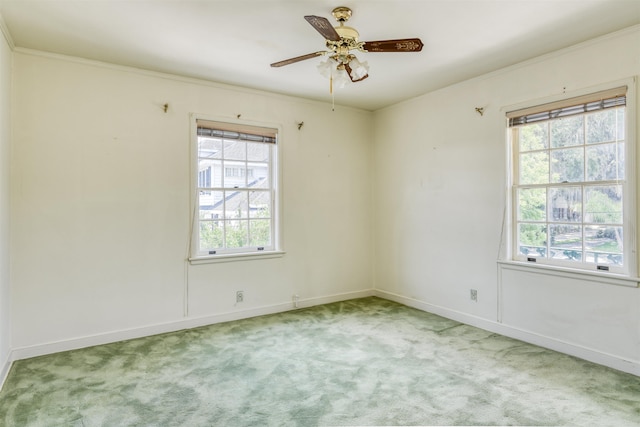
361	362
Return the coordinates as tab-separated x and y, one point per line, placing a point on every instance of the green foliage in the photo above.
236	233
534	168
567	165
601	126
534	137
567	132
605	161
260	228
532	235
604	205
532	204
211	235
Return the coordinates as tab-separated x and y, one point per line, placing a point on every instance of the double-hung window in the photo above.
236	189
571	183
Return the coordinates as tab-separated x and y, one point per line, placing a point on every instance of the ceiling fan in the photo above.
341	41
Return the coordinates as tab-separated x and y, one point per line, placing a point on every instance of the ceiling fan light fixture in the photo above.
340	77
327	68
338	72
359	70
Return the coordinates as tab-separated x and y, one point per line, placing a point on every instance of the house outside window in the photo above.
236	189
572	190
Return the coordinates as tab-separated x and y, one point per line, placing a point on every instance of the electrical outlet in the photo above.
239	296
474	295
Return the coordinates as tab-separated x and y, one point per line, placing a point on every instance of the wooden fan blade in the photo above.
348	69
323	26
297	59
400	45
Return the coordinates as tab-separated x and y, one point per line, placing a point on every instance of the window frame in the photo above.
629	181
196	256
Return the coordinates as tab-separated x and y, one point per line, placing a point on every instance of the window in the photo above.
571	183
236	179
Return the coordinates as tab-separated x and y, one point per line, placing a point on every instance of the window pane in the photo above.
210	235
565	242
209	148
603	244
565	204
603	204
534	168
257	152
236	204
534	136
210	204
258	175
260	204
235	174
567	165
260	230
237	233
605	162
235	150
567	131
213	177
532	204
532	239
601	126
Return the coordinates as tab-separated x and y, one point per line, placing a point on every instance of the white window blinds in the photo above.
568	107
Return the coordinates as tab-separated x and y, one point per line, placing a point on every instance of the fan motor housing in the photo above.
347	32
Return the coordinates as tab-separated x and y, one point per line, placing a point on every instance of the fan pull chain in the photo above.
333	100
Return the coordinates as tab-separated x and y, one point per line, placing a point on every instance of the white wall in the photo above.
440	182
5	156
101	200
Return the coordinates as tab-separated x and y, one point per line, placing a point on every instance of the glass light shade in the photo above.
327	68
359	70
340	78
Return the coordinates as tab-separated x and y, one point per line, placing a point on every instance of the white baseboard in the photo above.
4	369
187	323
591	355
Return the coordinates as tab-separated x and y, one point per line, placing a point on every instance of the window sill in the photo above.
235	257
572	273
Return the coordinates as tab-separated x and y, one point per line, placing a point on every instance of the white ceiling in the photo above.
234	41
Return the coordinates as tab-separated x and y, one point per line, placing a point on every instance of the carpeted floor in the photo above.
361	362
